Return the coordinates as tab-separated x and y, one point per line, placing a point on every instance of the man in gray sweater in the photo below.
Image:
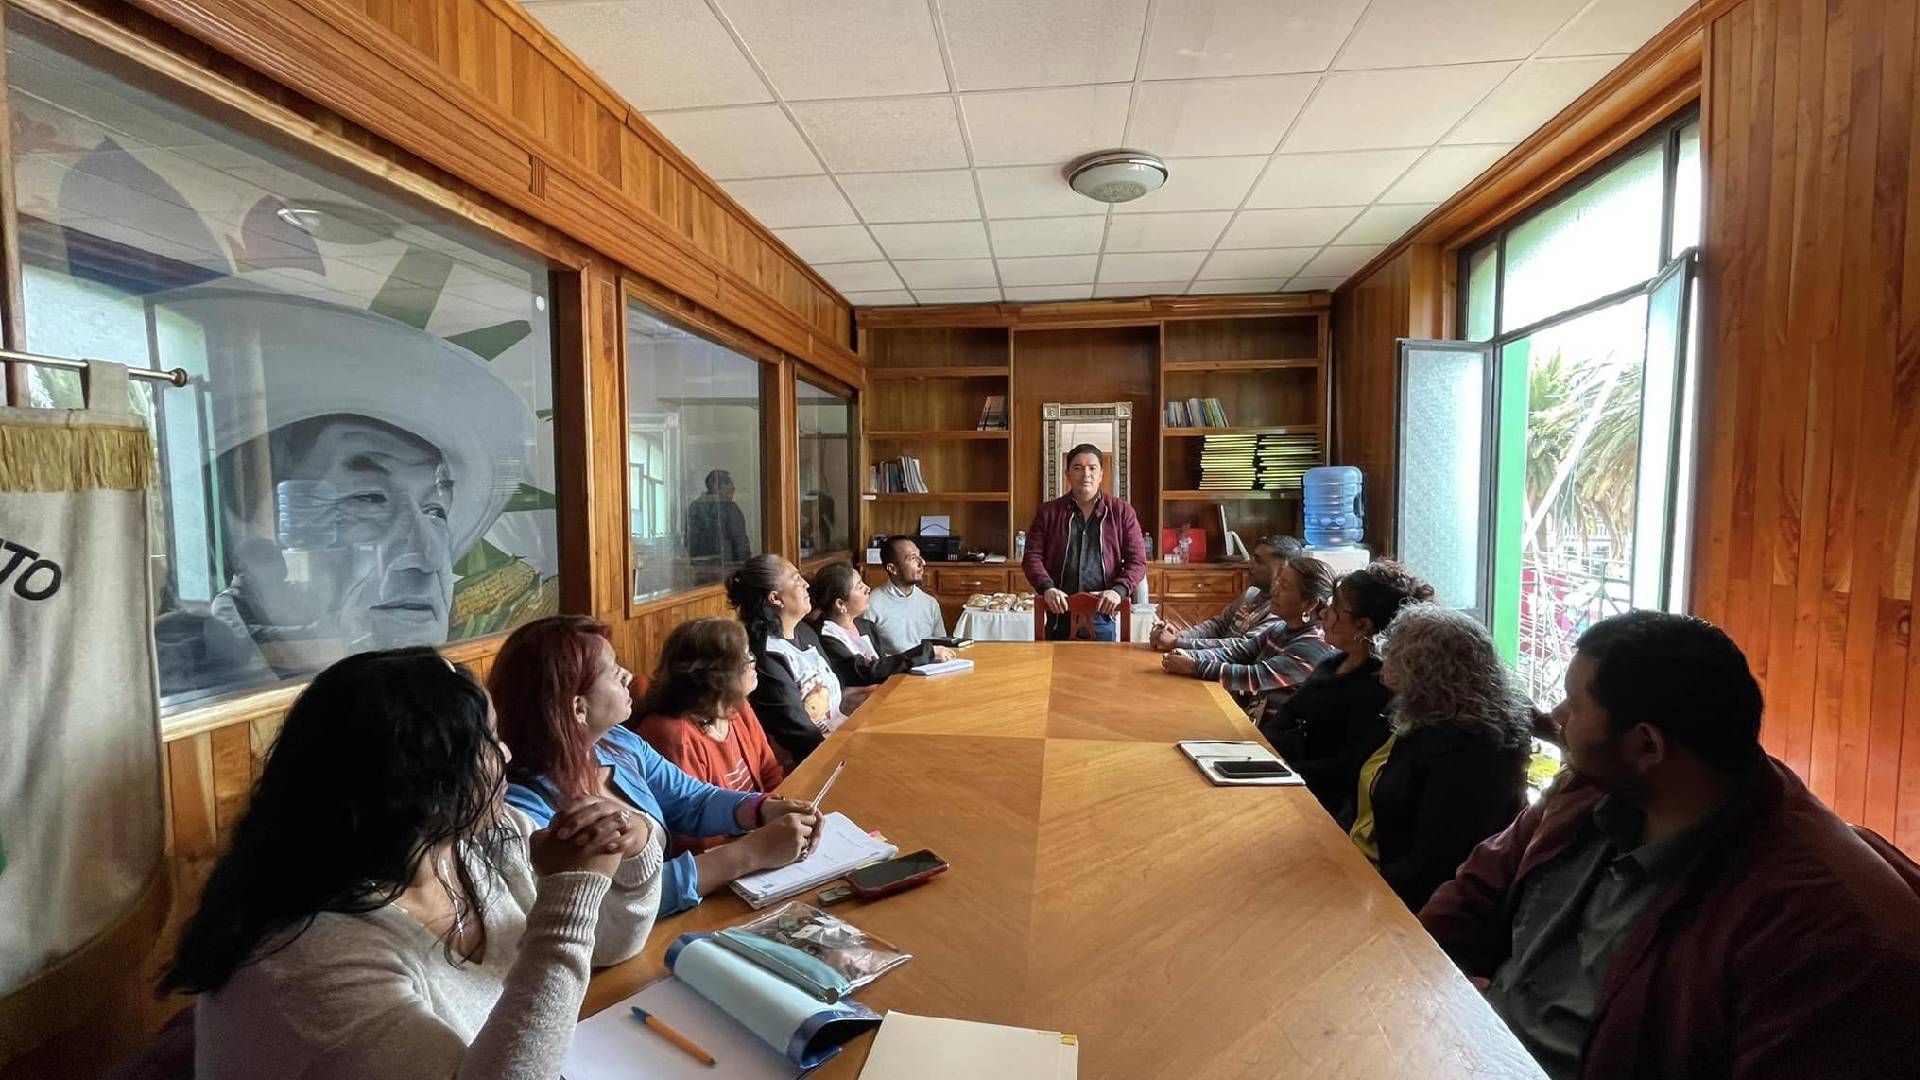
903	614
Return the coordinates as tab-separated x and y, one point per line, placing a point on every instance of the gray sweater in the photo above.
373	996
901	623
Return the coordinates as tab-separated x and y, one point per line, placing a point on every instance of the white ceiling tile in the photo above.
1140	288
1613	26
1383	224
879	298
1031	191
1272	262
913	196
1237	285
1442	172
831	243
881	134
792	201
1216	117
1352	178
1045	127
1050	292
956	296
1304	283
933	240
1199	184
1399	32
1246	37
1304	227
805	47
1369	110
1048	236
1529	98
1048	270
1340	260
1191	231
739	142
859	276
948	274
1006	43
696	63
1160	266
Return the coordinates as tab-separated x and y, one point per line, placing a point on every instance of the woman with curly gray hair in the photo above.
1454	770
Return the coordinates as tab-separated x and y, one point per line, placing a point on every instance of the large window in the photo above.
364	457
825	425
694	494
1580	487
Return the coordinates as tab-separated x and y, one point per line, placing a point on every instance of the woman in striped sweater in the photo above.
1262	671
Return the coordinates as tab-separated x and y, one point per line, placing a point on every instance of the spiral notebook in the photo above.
843	847
1205	755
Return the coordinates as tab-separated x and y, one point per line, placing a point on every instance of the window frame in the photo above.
556	262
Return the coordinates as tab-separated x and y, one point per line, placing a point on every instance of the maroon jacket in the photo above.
1122	549
1791	949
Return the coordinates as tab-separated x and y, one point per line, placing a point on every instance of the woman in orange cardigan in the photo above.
695	712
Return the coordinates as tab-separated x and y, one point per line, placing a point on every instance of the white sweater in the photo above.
373	996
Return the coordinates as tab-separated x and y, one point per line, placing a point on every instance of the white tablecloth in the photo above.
983	625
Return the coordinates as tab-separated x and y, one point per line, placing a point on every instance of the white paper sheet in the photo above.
612	1045
843	847
930	1048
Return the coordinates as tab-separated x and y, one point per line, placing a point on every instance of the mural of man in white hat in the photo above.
357	458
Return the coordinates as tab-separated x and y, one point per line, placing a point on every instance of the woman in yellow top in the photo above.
1454	770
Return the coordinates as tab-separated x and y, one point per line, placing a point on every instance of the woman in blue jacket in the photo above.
561	695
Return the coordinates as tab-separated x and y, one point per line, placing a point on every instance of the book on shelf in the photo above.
897	476
1270	461
993	414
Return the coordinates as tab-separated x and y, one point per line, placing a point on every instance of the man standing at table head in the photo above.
903	613
1084	541
1678	903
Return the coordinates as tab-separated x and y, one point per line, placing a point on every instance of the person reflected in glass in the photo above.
1086	541
716	526
562	697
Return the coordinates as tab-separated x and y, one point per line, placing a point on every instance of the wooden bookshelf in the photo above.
930	370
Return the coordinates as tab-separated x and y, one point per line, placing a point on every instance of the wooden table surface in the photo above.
1100	886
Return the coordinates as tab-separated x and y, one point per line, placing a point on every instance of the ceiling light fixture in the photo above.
1117	176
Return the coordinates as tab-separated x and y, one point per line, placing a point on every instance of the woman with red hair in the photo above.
561	696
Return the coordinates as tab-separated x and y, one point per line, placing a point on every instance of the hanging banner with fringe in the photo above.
81	830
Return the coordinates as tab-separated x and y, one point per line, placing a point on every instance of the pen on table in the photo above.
826	787
692	1048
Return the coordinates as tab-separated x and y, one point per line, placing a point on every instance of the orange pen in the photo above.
692	1048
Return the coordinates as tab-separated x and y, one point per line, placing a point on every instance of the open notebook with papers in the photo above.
843	847
929	1048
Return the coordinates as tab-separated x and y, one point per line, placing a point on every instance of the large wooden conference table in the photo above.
1100	886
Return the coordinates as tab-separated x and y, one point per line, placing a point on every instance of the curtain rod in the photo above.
177	377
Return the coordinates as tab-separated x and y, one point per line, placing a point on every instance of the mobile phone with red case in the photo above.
895	875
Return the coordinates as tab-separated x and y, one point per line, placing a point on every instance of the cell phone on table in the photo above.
1258	768
903	872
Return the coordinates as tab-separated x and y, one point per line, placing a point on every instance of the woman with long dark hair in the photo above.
382	913
1262	671
562	696
800	701
695	713
1453	770
1338	716
846	635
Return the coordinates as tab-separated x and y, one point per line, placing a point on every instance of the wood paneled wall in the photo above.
480	89
1810	307
1369	316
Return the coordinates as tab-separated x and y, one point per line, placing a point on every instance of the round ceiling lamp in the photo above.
1117	176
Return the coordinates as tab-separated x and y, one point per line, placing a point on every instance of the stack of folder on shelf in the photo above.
993	414
896	476
1272	461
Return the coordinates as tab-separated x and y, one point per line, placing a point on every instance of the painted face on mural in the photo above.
364	556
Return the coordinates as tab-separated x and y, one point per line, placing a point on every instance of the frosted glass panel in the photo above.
1482	272
1686	191
1443	500
1601	239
